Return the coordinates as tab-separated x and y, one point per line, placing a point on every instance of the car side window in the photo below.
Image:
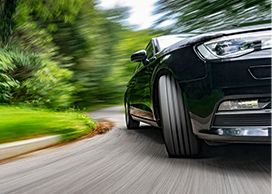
149	50
137	67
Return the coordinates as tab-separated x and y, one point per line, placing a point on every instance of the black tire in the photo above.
177	130
131	124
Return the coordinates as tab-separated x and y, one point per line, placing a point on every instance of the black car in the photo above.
214	86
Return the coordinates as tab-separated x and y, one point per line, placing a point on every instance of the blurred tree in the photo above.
83	53
28	73
6	17
208	15
50	10
94	73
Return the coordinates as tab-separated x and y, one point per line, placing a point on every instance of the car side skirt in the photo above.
148	121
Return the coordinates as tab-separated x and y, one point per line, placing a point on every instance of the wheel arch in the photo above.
154	90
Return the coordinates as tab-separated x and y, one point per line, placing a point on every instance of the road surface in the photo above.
135	161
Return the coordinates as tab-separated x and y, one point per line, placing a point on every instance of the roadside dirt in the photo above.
103	126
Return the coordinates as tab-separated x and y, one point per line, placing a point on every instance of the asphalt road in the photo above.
135	161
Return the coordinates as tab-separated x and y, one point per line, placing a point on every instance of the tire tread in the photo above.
177	130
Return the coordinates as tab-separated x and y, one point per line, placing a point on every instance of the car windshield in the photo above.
165	41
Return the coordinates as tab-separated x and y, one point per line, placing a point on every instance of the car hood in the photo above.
211	35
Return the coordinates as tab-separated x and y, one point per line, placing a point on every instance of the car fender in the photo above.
159	70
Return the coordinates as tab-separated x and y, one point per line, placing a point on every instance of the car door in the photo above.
139	88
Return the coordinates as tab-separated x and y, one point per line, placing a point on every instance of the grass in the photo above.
18	123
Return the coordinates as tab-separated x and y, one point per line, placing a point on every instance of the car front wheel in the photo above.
178	136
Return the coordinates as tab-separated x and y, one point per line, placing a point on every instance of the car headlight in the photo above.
235	45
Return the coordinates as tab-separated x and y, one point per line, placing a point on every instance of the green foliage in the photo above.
18	123
52	11
59	54
27	77
15	67
29	35
49	87
209	15
99	53
82	54
7	9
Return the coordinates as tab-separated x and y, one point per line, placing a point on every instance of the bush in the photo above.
27	77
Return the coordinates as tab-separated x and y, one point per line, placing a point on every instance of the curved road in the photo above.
134	161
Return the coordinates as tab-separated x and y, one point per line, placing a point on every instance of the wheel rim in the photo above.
126	111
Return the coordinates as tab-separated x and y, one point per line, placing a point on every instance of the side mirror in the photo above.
140	56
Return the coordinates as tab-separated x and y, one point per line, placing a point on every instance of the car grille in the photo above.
260	119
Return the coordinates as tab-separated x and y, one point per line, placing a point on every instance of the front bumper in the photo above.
235	126
262	135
